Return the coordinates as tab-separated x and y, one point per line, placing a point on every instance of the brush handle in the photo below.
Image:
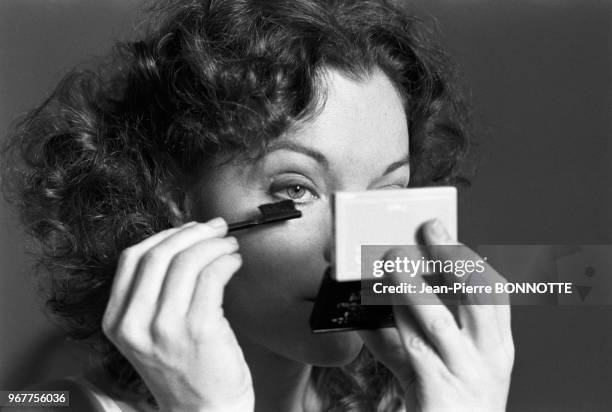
245	224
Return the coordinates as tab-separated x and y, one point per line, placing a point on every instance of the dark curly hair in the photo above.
89	167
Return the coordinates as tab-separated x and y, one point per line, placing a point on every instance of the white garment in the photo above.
105	402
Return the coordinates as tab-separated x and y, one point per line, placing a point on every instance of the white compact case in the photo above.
385	217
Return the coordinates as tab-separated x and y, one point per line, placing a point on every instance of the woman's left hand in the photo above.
443	366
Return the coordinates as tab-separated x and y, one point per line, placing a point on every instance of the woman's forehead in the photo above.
360	120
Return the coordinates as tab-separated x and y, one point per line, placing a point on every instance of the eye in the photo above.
393	186
296	191
396	186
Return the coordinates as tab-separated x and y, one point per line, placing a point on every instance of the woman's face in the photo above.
359	141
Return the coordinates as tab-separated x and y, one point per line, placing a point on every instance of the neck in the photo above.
280	384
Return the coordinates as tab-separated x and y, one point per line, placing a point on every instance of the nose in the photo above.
327	252
328	241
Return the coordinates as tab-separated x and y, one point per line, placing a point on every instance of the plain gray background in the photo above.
541	77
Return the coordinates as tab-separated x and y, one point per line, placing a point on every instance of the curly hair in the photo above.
87	168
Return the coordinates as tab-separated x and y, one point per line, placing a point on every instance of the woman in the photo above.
132	172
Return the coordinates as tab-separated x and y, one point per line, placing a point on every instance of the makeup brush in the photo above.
270	212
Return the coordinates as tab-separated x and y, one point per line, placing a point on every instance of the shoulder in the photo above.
80	399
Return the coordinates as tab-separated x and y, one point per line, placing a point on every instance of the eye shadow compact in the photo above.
376	218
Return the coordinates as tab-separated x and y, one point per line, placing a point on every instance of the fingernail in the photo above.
417	343
232	240
437	230
217	223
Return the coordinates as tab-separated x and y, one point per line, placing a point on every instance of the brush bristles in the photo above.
271	212
282	210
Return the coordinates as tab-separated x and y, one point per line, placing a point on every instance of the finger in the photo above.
390	349
154	263
433	317
207	299
387	347
437	323
426	362
180	281
126	268
440	246
485	316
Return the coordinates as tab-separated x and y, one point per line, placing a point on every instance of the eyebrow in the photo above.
322	160
295	147
396	165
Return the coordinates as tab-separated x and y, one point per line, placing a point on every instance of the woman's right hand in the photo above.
165	316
